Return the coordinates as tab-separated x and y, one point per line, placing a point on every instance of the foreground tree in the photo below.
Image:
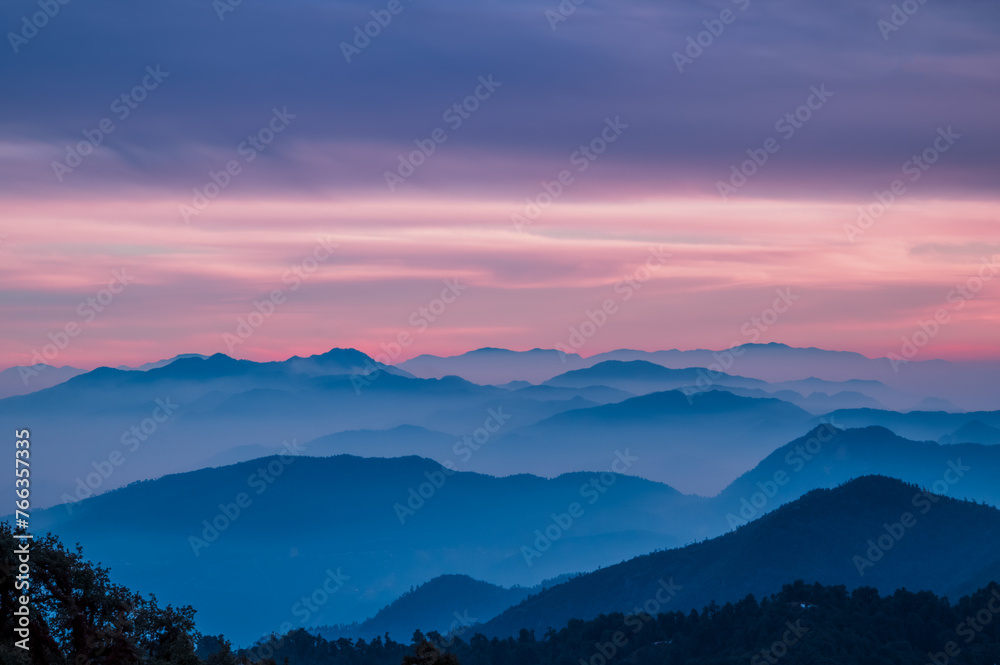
79	616
427	653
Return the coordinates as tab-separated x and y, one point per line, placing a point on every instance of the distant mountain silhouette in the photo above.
936	404
360	516
596	394
696	443
145	367
817	403
347	511
219	403
225	410
921	385
918	384
641	377
401	441
770	362
827	457
873	389
914	424
21	380
515	385
969	385
829	536
449	604
491	366
974	431
814	395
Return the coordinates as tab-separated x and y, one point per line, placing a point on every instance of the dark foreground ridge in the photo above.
814	624
80	616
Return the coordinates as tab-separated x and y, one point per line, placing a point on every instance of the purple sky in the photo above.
606	77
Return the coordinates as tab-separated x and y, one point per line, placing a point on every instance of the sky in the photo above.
264	179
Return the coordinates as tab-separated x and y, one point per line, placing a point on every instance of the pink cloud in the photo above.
194	281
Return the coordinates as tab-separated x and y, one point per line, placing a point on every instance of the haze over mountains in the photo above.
442	332
360	516
392	537
970	385
356	517
479	477
197	411
433	605
830	536
24	379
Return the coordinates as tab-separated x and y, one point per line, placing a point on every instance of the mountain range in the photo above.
873	531
474	486
966	385
128	425
411	519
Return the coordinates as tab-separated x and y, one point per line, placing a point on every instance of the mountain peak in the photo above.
198	367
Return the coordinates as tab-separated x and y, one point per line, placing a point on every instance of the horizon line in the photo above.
374	355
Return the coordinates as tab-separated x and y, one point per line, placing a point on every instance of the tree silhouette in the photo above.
427	653
79	616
